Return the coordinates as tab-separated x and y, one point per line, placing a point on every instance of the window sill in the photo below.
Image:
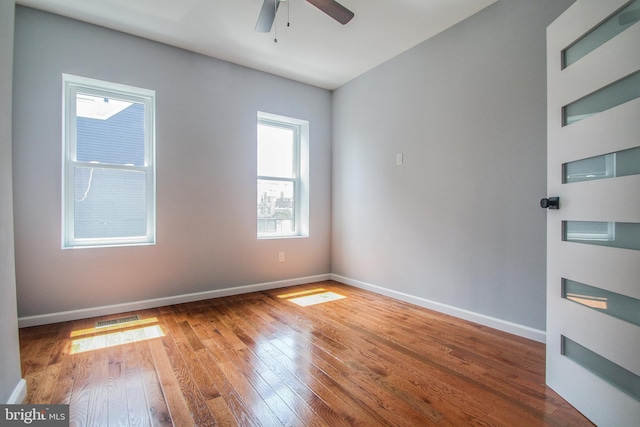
289	236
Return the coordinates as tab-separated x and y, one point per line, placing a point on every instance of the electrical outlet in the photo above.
399	159
281	257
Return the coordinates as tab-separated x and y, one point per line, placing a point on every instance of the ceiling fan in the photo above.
330	7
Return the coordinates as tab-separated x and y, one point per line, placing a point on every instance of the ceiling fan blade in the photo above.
334	10
267	16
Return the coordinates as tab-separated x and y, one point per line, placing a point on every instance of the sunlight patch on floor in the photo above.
317	298
113	339
103	329
296	294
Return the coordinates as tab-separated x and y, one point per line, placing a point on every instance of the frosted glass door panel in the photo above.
616	305
613	234
621	163
615	94
604	32
614	374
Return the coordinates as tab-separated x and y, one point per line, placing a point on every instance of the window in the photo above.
283	159
585	231
109	156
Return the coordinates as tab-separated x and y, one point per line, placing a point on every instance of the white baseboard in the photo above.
19	393
43	319
492	322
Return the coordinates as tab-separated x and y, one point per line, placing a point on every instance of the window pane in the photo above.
599	167
109	203
616	305
607	30
275	151
109	131
618	93
614	234
621	163
612	373
276	202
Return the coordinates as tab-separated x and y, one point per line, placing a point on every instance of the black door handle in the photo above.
551	203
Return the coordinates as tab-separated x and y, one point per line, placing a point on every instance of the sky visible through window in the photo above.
275	151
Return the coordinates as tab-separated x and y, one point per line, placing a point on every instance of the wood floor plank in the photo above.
296	362
512	393
35	360
250	386
381	338
191	336
223	413
185	344
311	410
65	383
236	404
452	368
184	374
45	387
258	411
136	402
359	376
81	390
349	409
98	405
259	359
324	403
157	408
178	408
378	399
118	411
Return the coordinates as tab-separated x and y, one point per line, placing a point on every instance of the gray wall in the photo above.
206	159
10	354
459	222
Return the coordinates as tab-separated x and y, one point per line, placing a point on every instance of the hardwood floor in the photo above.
261	359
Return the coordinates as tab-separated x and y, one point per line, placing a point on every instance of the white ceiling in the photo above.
315	49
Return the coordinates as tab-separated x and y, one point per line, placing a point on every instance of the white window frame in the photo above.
72	85
300	177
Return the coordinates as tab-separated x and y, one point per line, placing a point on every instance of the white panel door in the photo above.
593	239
